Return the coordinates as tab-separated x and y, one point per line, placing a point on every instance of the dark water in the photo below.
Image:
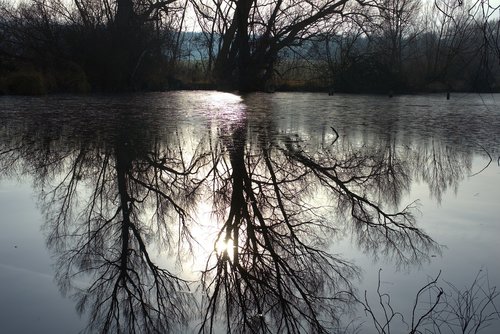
118	207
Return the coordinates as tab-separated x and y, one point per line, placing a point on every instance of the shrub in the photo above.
25	83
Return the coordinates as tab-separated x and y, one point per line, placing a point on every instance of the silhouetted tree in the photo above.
113	45
252	34
398	28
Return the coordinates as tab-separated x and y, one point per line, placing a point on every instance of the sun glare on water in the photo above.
210	244
223	246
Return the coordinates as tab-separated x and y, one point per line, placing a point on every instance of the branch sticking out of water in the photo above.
450	309
488	164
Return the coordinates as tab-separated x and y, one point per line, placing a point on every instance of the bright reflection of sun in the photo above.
223	98
225	107
222	246
209	243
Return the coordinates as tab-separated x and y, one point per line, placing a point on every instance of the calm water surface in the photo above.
169	211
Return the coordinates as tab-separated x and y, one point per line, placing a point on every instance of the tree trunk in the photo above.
123	33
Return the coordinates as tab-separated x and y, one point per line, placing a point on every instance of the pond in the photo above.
173	212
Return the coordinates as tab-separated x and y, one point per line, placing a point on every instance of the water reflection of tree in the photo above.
105	201
110	191
441	167
109	240
278	274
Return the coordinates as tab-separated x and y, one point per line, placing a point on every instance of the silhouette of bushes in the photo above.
26	82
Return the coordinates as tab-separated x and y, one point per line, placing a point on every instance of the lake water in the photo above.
172	211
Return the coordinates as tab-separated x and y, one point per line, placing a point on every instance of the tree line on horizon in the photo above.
374	46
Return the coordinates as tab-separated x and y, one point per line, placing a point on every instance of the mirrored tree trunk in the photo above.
121	195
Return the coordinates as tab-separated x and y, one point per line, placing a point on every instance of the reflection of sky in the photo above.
467	224
31	303
30	300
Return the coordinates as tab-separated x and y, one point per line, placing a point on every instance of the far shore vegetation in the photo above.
354	46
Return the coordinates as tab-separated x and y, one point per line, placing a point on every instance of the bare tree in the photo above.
118	45
253	33
396	29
